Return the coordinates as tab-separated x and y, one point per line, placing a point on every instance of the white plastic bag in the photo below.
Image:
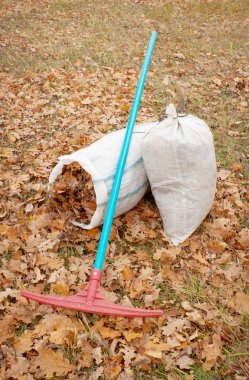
179	159
100	160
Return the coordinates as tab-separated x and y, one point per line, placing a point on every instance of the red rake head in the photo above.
91	300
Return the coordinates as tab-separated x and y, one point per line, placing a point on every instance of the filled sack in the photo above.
99	162
179	159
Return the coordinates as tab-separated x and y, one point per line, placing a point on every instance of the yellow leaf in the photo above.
128	274
61	288
130	335
11	138
108	333
93	233
125	108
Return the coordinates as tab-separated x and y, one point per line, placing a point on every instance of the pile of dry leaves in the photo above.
201	284
73	194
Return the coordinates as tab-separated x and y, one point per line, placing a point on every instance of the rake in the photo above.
91	299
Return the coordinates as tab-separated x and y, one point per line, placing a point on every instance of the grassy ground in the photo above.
197	42
200	63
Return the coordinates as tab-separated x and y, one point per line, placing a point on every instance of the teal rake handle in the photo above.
122	159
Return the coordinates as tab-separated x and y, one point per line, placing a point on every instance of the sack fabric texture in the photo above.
100	161
179	159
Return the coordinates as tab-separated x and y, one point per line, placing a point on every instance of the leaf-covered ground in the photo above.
68	74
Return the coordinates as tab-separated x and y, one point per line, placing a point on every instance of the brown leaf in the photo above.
7	328
23	343
184	362
210	352
10	232
49	363
237	167
173	326
196	317
217	246
18	368
155	348
15	266
112	369
240	302
85	360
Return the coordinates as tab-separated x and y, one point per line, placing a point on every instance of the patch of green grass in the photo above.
136	302
66	252
167	293
91	369
35	321
157	371
71	353
91	318
69	31
47	288
199	374
5	255
21	327
237	352
194	290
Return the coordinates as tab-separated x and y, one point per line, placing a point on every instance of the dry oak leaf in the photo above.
237	167
243	237
86	358
7	328
196	317
184	362
129	354
51	262
18	368
223	174
186	306
172	327
112	369
108	333
15	266
24	342
10	232
55	325
216	246
97	374
49	363
97	355
155	349
65	330
240	302
211	352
